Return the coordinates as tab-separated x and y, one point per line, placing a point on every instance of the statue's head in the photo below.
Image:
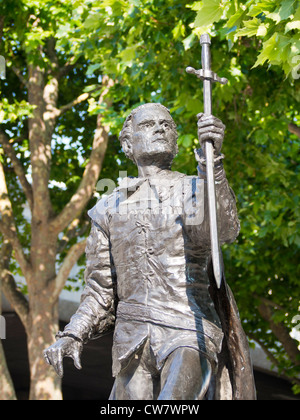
149	135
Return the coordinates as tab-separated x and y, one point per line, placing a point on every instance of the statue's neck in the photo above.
152	171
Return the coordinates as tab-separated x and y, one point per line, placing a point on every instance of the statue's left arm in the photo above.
211	128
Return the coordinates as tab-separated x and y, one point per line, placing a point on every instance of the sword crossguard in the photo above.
207	75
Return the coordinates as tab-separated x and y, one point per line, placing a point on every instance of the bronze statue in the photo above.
149	275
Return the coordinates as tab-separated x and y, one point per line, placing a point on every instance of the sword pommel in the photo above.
205	39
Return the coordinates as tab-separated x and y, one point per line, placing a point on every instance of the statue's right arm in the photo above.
64	347
96	312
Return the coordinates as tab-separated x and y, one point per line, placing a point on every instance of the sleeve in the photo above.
96	312
228	222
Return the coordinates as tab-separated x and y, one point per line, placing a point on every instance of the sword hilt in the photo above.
207	75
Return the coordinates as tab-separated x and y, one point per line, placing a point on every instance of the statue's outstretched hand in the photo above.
64	347
211	129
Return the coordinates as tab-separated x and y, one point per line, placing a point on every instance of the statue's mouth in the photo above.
160	139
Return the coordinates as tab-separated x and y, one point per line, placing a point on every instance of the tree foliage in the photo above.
143	47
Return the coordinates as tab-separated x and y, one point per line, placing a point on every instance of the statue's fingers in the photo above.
47	360
215	139
58	363
211	122
76	359
211	129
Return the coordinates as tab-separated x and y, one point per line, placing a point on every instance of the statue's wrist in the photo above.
61	334
200	157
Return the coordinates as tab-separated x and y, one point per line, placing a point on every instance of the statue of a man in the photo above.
147	274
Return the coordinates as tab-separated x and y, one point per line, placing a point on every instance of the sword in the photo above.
208	77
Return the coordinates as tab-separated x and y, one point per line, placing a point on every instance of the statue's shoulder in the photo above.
99	212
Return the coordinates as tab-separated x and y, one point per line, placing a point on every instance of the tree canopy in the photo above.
75	68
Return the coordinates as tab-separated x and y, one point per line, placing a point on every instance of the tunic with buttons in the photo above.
146	266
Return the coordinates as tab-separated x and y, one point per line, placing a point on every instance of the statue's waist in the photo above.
171	318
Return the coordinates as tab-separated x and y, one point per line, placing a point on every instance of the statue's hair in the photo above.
126	133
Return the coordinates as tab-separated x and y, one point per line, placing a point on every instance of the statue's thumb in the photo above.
76	359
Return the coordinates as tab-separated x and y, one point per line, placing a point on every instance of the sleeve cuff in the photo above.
200	157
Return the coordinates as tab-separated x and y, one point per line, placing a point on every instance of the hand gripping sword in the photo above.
208	78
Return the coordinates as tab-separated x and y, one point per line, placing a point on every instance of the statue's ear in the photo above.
127	148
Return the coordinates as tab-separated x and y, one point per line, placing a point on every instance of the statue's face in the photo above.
153	135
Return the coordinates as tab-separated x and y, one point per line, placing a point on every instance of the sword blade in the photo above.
210	175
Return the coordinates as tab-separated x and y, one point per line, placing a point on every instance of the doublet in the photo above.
146	269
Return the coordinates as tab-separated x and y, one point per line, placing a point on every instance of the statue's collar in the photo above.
164	177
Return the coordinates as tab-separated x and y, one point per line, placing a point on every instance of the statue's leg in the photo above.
186	375
136	381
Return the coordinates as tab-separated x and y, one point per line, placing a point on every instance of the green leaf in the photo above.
179	30
237	18
92	21
186	140
128	55
275	50
189	41
261	7
287	9
253	27
284	12
92	68
210	12
295	24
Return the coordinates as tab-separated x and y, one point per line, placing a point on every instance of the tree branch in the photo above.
294	129
69	261
72	233
8	227
63	71
18	168
280	332
273	360
9	287
20	76
81	98
40	147
91	174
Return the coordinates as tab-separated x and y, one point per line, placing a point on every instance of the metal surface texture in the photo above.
147	273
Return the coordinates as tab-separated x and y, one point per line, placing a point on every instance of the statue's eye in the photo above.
146	125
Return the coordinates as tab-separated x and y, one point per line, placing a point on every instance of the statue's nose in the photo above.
158	128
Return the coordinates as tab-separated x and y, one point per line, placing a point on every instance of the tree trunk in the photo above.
40	315
6	384
44	382
43	309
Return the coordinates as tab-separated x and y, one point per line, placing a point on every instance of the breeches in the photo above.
185	375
